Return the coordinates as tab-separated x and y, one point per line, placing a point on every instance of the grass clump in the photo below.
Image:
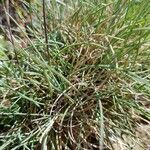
90	89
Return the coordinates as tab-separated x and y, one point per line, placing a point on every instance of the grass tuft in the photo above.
88	88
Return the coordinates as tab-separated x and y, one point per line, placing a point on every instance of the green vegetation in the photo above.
83	88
